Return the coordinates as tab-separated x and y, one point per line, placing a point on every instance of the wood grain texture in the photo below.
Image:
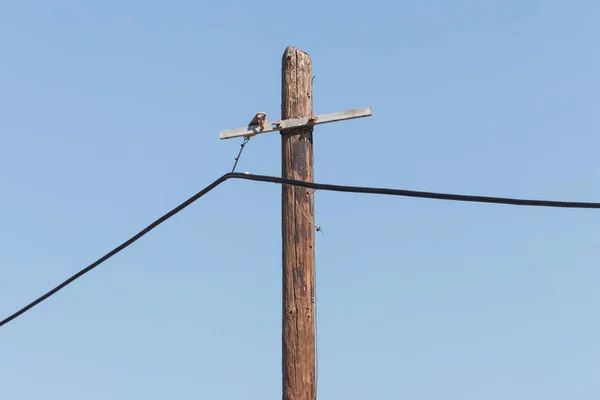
298	233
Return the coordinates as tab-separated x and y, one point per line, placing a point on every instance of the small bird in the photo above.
260	119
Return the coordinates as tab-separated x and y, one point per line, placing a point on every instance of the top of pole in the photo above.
296	74
290	50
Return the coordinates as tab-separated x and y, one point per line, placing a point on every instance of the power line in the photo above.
237	159
312	185
419	194
116	250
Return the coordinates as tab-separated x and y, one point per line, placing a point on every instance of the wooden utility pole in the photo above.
298	231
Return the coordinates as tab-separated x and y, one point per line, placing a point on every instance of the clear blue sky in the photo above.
111	114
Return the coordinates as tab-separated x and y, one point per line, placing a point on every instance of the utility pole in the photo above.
297	226
298	232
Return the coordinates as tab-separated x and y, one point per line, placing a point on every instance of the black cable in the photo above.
237	159
117	249
414	193
319	186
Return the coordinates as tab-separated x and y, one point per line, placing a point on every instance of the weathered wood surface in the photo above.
254	129
298	232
